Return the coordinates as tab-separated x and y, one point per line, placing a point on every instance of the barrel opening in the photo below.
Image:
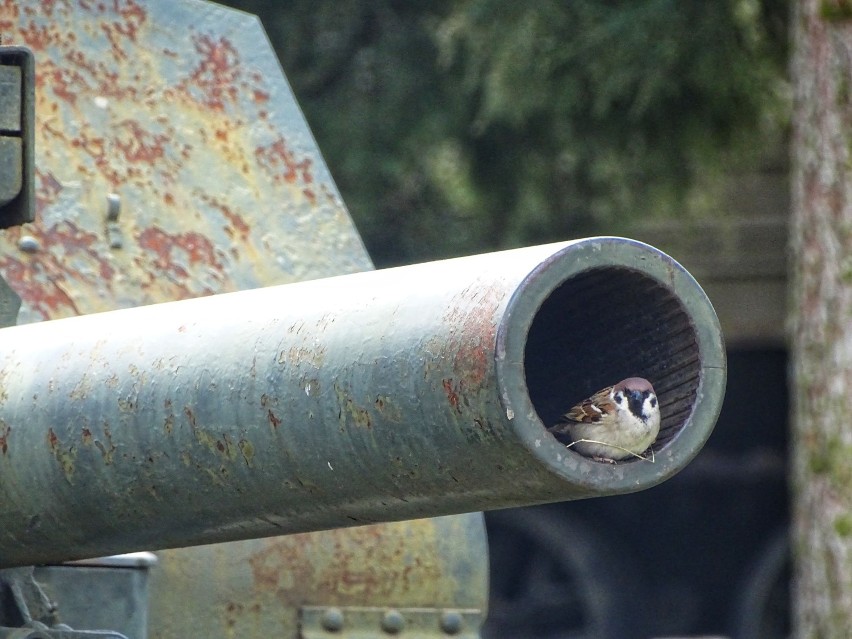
605	324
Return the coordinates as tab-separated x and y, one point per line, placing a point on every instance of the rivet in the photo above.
332	620
393	622
451	622
113	212
113	207
28	244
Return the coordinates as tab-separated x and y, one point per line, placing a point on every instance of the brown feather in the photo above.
587	411
635	383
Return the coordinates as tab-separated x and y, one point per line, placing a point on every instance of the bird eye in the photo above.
653	402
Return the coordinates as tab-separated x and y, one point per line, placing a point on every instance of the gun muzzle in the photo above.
409	392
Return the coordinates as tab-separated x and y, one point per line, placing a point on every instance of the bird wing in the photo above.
588	411
591	410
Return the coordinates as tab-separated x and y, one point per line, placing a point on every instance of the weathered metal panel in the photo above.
255	588
180	108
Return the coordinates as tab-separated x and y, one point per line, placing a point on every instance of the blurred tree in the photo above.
454	127
821	344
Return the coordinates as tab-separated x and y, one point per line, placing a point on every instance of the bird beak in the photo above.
635	400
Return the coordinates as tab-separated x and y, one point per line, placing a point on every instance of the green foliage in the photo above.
456	127
843	525
836	9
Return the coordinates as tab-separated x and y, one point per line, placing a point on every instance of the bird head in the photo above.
636	394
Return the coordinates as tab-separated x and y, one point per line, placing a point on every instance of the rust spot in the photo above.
48	190
452	395
273	420
474	312
281	163
138	145
4	438
350	412
247	450
237	226
132	17
372	563
86	436
190	416
168	249
266	401
108	451
37	38
214	81
61	81
42	281
65	457
195	246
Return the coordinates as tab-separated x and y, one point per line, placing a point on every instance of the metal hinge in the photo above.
350	622
17	136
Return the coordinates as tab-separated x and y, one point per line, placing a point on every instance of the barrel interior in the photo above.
606	324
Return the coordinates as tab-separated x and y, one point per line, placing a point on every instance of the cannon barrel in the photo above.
395	394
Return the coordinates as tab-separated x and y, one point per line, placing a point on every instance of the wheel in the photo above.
763	610
558	578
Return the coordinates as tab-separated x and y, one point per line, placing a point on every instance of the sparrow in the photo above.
615	423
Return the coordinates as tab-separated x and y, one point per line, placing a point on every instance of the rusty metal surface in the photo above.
183	113
359	399
255	588
181	109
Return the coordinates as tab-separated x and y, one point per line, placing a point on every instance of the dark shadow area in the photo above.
606	324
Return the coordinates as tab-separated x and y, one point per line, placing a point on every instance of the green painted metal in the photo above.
173	161
257	587
396	394
17	135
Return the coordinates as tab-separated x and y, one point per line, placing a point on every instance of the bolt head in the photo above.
332	620
28	244
451	622
393	622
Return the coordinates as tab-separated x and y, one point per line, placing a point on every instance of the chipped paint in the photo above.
104	73
180	108
4	436
257	586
